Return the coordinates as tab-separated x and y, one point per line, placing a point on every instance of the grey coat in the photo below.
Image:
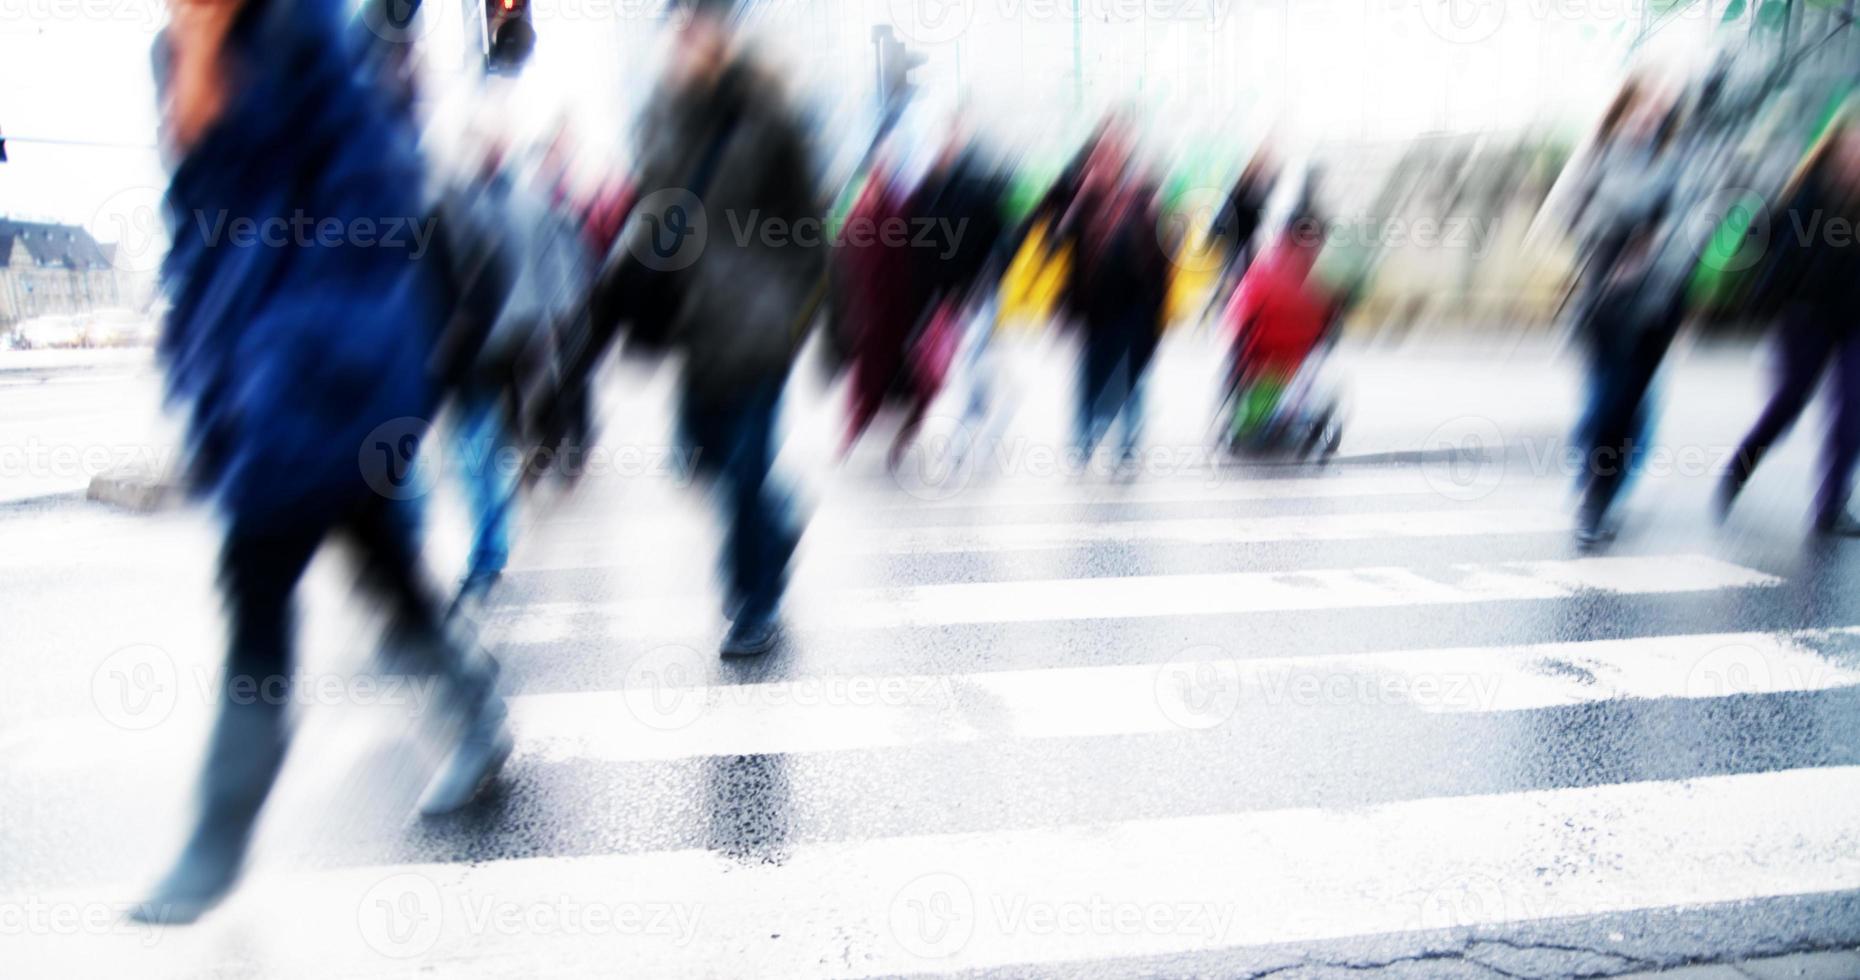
746	248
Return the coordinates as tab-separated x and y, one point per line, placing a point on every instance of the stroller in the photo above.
1280	396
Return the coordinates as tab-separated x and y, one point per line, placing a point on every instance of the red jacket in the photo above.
1280	312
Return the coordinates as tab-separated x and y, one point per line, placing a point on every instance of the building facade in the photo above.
51	269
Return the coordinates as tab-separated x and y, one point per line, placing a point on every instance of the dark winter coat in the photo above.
746	292
293	352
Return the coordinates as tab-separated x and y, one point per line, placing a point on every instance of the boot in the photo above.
1593	532
751	637
484	744
243	759
478	717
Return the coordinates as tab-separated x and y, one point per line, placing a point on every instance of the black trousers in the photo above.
259	570
1806	344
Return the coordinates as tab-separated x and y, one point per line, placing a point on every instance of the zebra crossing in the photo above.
1163	730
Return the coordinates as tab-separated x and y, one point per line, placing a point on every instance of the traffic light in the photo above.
509	38
895	63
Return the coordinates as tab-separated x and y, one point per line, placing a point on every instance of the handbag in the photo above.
650	299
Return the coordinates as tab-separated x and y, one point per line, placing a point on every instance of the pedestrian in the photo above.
302	365
1117	292
1236	226
1630	303
1242	216
881	300
719	137
1812	285
961	201
1280	316
547	284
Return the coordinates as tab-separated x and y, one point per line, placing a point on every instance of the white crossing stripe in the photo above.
1044	896
1211	486
1152	596
1210	530
854	496
658	717
835	537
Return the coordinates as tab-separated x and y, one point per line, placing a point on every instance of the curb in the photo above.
138	490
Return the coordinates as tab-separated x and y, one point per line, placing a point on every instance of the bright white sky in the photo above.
79	70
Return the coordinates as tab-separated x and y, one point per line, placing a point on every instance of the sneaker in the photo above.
473	593
1593	533
750	638
474	762
203	878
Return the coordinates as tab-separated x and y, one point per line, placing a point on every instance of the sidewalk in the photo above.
52	360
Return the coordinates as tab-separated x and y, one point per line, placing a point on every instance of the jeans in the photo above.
1623	364
1111	383
734	439
479	440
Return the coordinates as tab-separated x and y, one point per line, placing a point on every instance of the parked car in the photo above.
54	331
123	328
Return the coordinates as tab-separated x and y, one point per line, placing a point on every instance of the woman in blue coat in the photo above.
304	312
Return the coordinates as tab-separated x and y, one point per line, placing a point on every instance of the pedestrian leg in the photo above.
1842	447
1803	349
480	439
259	570
1611	454
1096	369
1136	368
761	538
418	643
707	433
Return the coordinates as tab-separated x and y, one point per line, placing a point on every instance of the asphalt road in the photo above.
1377	716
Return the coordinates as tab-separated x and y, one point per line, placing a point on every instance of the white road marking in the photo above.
1046	896
1148	596
661	714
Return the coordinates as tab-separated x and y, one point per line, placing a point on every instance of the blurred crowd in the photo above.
719	249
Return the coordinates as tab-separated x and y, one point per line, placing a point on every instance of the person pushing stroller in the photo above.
1280	318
